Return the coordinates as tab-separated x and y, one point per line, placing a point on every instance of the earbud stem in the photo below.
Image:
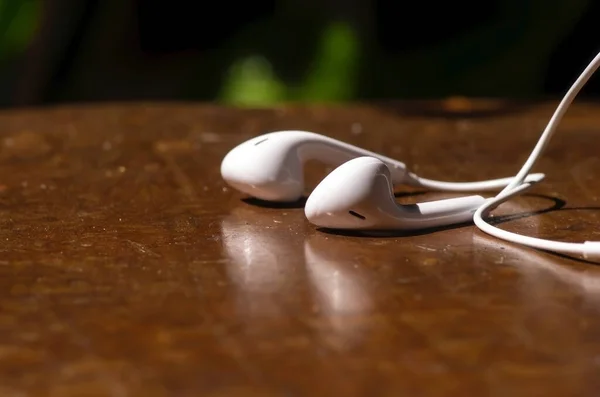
448	211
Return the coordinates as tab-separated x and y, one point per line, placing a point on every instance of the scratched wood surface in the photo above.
128	268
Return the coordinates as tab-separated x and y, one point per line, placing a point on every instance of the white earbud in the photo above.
270	166
358	195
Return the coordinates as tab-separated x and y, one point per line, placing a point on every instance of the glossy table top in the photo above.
128	267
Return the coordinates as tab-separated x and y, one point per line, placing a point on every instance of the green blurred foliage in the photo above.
332	60
504	58
18	22
251	81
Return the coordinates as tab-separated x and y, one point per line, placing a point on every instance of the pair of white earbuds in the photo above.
359	193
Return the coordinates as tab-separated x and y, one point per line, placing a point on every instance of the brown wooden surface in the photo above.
128	268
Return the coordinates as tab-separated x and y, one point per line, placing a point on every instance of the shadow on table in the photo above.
275	205
302	201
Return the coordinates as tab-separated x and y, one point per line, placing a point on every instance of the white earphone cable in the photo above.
492	184
517	186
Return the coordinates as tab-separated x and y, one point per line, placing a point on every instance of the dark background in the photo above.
262	52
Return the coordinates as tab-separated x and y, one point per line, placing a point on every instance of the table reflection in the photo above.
340	286
262	258
270	264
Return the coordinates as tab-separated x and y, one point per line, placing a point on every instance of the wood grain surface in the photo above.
128	267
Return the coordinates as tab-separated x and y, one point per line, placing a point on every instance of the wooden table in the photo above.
128	267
